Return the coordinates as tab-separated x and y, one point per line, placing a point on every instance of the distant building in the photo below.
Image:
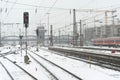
89	34
117	30
102	32
41	35
108	31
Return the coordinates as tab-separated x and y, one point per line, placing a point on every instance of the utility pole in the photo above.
59	36
104	28
106	23
0	35
68	39
51	35
81	36
74	29
113	23
94	30
85	27
48	28
84	34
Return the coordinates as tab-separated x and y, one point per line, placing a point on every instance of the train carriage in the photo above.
111	41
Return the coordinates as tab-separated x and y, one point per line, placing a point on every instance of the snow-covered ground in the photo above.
81	69
84	70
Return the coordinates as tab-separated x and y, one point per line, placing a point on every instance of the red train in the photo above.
111	42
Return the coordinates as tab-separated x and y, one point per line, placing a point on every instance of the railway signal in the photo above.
26	19
26	24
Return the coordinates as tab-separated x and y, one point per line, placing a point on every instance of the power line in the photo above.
4	6
78	22
52	6
48	12
41	6
55	16
36	5
10	9
44	6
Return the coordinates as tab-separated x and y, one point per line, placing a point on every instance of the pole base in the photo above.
26	59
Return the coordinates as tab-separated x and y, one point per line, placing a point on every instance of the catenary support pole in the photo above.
81	36
51	35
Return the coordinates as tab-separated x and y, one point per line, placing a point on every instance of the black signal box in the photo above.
26	18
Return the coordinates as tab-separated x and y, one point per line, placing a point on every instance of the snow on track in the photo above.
61	74
80	68
33	68
5	76
16	72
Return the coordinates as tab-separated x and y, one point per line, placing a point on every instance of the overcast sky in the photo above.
12	12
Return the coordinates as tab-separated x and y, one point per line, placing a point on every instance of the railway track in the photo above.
50	75
53	77
108	61
66	72
93	48
19	69
7	71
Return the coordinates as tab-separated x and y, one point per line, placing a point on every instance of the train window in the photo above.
111	40
117	40
106	41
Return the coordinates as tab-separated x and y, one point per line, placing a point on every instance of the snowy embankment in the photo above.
81	69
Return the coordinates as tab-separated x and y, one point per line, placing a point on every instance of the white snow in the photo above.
81	69
5	76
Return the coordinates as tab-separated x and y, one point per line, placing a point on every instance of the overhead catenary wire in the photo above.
52	6
60	9
86	18
48	12
36	5
68	25
3	7
48	7
10	9
42	6
39	6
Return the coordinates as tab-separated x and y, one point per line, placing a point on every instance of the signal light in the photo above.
26	18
